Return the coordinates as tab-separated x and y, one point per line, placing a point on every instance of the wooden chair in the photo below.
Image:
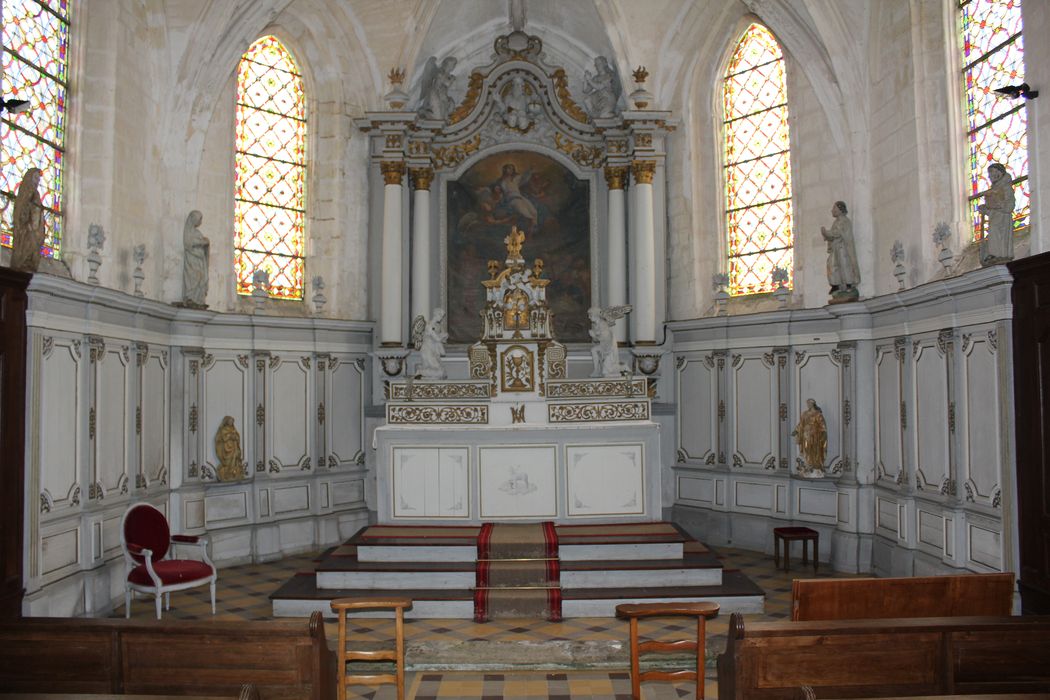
634	611
343	606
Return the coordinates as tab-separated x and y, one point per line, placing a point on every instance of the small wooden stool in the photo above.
633	611
344	605
789	535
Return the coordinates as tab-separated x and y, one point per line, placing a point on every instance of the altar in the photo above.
518	439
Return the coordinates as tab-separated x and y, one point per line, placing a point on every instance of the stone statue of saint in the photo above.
429	338
998	210
194	262
604	352
811	433
228	451
602	89
843	271
27	223
435	102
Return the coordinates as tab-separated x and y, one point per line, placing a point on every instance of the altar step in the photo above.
606	565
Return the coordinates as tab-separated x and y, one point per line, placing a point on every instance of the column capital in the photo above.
616	176
421	178
392	171
643	171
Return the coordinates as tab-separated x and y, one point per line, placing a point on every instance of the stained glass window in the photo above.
36	43
270	197
757	163
993	57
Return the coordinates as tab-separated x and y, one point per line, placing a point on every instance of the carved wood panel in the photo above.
697	416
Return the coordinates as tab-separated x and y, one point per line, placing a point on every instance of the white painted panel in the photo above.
887	513
291	499
887	410
111	534
518	481
59	550
843	514
326	495
264	503
755	410
59	398
292	415
451	484
154	417
431	482
982	409
225	394
347	492
691	488
605	479
985	546
410	466
931	415
111	419
697	413
931	529
818	379
817	502
753	495
344	410
193	513
224	507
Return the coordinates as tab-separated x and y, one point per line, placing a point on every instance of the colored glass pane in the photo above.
997	128
270	199
36	44
757	163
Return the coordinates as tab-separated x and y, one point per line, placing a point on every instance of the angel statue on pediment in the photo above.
429	338
435	102
604	352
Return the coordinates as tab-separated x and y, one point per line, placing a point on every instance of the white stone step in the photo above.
567	552
610	578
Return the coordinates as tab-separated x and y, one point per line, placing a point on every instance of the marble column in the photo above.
616	179
390	326
421	263
643	255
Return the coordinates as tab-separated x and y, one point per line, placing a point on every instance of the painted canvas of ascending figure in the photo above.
550	205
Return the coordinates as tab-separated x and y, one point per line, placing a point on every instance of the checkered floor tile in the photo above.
243	595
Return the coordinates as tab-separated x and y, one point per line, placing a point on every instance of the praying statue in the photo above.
429	338
998	211
435	102
602	89
27	223
228	451
811	433
843	271
194	262
604	352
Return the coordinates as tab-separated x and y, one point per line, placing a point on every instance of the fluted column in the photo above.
421	263
643	255
390	326
616	179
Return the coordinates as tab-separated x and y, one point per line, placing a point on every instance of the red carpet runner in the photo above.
518	572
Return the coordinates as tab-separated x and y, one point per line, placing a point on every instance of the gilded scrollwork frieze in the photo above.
601	388
561	89
587	156
437	391
598	412
473	414
470	100
452	155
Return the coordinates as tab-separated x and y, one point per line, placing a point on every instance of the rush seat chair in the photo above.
146	540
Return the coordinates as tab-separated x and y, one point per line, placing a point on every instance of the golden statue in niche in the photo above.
228	451
516	310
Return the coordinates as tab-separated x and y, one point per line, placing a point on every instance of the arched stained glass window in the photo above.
757	163
36	44
993	57
270	197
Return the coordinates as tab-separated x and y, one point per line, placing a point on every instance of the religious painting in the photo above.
545	200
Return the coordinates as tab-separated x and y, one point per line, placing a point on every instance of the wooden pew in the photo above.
885	658
284	659
921	596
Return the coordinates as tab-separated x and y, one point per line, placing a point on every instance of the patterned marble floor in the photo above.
244	590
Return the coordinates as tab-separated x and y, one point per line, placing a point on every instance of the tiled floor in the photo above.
244	590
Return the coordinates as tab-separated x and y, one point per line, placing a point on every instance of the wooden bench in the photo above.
921	596
885	658
282	658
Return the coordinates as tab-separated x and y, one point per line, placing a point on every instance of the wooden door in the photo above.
1031	337
12	437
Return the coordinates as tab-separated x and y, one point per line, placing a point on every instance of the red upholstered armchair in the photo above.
146	540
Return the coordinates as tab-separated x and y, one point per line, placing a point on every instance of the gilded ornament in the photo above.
587	156
643	171
561	89
616	176
421	178
392	171
470	100
451	156
598	413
